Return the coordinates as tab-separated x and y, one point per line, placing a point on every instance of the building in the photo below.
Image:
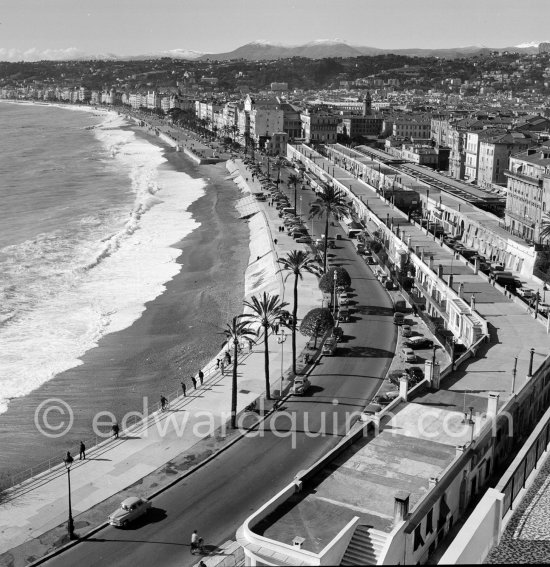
319	126
528	197
279	87
408	127
494	153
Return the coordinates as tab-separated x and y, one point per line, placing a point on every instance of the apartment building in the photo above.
494	152
319	126
528	197
409	127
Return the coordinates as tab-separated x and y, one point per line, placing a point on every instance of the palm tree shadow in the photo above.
366	352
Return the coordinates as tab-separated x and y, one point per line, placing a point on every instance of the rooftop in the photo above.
417	441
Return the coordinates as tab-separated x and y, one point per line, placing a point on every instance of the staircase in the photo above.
365	547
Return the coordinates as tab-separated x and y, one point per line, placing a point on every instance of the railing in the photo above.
9	480
522	177
519	471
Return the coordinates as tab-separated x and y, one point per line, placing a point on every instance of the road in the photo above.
221	495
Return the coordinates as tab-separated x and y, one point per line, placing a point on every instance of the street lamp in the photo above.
335	306
281	340
68	461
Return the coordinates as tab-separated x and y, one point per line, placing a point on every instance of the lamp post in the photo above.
281	340
68	461
335	306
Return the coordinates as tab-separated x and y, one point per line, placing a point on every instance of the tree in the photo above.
545	228
317	322
329	202
294	179
297	262
234	332
266	311
343	279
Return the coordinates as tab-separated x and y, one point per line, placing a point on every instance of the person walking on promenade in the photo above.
115	429
163	402
218	362
228	357
222	367
194	541
201	376
183	388
82	451
194	380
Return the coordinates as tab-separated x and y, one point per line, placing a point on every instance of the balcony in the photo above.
524	178
519	218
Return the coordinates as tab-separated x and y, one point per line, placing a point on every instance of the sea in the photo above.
88	220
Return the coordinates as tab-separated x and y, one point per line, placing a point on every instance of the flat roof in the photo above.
416	442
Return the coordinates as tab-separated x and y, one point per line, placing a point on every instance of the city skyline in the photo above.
60	29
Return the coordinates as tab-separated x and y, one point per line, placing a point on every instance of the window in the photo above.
418	541
429	522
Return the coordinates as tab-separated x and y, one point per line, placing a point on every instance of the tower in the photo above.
367	104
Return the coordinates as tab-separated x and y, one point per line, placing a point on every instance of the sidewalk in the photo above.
40	504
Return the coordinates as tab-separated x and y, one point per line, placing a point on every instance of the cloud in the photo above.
34	54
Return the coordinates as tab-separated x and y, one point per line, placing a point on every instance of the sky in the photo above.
60	29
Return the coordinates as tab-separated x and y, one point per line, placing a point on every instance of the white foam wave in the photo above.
129	268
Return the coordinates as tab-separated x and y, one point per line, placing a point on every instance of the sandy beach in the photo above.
178	333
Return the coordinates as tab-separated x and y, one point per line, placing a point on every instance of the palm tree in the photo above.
544	227
329	202
234	332
297	263
265	311
293	179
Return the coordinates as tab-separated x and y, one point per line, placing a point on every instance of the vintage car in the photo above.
130	509
329	346
301	385
419	342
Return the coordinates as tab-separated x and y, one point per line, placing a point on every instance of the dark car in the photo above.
418	342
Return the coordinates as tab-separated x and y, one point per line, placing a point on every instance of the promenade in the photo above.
166	445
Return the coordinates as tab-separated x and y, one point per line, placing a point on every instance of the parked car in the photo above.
409	354
398	318
370	260
406	330
338	333
525	292
344	298
304	239
130	509
301	385
343	316
329	346
419	342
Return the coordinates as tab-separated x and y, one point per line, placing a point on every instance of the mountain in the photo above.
263	51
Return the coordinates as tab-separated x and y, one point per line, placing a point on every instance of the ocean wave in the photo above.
74	285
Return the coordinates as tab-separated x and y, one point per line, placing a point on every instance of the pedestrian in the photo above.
183	388
82	451
222	367
201	376
163	402
275	241
217	362
276	328
194	541
228	357
194	380
115	429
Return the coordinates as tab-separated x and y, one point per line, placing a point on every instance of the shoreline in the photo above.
177	333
